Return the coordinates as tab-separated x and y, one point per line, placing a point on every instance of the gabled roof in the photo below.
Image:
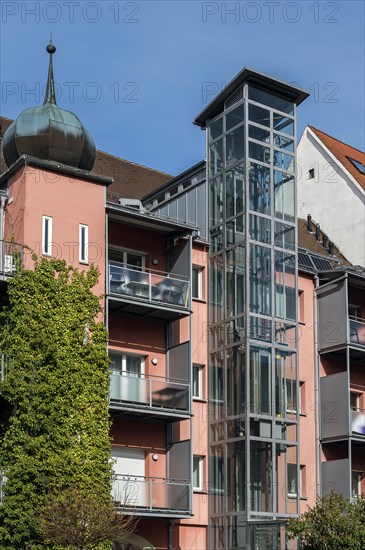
343	152
129	179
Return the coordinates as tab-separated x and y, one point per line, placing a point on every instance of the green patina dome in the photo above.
49	133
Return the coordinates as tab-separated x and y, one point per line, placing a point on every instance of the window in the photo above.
126	364
301	306
358	165
354	401
135	260
83	244
292	486
291	396
198	473
354	312
197	381
197	283
356	483
47	236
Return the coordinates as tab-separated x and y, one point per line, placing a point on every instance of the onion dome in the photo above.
49	133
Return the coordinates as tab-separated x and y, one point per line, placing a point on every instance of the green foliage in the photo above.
56	433
335	523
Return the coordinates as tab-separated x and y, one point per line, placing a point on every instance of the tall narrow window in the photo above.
197	473
197	283
83	244
197	381
47	236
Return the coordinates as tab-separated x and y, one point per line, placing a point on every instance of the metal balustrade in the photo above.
11	258
149	393
149	286
151	494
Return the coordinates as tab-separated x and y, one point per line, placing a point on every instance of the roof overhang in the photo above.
293	93
52	166
148	220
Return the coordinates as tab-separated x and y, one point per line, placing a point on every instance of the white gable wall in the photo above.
333	198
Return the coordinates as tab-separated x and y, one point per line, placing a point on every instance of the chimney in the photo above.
309	222
330	248
318	232
325	241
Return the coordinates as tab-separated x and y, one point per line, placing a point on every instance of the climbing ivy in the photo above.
54	429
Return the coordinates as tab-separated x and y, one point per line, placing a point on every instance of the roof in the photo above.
130	179
293	93
308	241
342	151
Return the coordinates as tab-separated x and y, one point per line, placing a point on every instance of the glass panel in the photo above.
260	329
284	143
236	476
284	196
216	288
260	280
284	236
216	157
285	289
235	231
259	182
259	152
235	362
216	238
271	100
216	201
283	124
235	145
217	480
234	191
216	384
285	334
283	161
234	117
287	478
260	428
259	133
216	128
261	476
260	381
260	229
201	219
235	282
285	384
259	115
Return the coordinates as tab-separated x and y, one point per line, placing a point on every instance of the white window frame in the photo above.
123	355
124	252
358	475
199	368
199	270
83	247
47	246
199	460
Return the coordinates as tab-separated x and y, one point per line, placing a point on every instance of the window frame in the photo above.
200	381
200	462
83	246
47	228
199	270
124	355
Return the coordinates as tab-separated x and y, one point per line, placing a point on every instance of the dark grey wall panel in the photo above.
336	477
335	405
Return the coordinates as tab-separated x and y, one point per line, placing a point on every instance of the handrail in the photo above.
149	270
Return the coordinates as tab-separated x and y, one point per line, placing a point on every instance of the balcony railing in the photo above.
152	494
11	258
358	421
148	393
357	331
149	286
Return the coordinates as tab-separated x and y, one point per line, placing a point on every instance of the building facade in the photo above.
222	374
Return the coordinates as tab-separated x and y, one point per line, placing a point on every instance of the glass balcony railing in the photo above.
148	393
146	285
358	421
151	494
357	331
11	258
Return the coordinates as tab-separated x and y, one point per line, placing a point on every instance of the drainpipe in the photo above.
316	390
2	210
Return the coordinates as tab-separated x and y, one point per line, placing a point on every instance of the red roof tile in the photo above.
342	151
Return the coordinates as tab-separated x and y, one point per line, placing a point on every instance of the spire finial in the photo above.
50	96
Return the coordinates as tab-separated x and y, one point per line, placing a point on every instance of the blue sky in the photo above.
137	73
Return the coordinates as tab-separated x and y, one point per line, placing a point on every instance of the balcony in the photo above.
11	258
144	394
147	292
148	496
357	331
358	422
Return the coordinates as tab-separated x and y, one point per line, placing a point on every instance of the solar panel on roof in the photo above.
305	260
321	263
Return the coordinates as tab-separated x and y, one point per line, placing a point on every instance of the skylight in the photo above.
359	165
